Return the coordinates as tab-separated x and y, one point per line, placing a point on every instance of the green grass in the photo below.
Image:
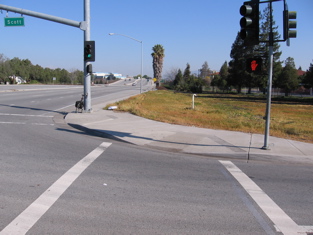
290	118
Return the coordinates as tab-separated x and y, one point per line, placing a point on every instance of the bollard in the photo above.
193	101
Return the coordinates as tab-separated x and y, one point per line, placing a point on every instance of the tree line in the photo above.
10	68
234	75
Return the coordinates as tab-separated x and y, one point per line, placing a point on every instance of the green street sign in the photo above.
17	21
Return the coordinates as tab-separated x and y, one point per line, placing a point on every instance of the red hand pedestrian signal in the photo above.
254	65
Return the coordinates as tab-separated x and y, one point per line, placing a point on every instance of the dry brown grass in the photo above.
291	120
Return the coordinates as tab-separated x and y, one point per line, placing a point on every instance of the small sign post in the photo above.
16	21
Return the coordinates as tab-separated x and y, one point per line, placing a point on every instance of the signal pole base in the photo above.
266	148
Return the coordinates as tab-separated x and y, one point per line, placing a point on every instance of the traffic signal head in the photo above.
290	24
89	50
254	65
250	22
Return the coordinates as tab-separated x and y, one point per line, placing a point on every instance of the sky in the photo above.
190	32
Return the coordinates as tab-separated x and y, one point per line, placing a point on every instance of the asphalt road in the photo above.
55	179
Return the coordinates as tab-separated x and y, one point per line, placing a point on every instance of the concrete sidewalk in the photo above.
185	139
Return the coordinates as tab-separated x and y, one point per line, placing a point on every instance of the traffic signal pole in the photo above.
287	35
87	76
83	25
269	83
56	19
250	34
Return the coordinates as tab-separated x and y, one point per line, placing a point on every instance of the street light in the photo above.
141	53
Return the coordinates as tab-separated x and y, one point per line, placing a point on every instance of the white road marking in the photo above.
308	229
56	110
23	222
18	123
24	123
24	115
280	219
71	105
42	124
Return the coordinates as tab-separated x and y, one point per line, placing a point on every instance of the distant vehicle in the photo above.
134	84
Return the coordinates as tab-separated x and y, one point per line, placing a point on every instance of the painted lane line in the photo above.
18	123
56	110
280	219
41	124
23	222
24	123
23	115
41	89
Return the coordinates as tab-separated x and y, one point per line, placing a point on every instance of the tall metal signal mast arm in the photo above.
77	24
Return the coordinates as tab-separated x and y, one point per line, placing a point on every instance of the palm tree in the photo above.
158	55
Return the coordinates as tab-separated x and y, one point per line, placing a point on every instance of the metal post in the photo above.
269	96
269	84
84	25
141	66
141	52
193	101
39	15
87	82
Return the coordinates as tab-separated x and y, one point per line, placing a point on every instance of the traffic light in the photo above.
254	65
250	22
290	24
89	50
